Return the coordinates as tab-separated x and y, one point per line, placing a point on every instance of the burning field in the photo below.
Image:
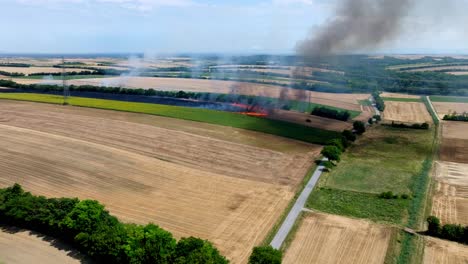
345	101
194	179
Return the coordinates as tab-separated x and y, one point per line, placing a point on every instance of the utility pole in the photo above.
66	91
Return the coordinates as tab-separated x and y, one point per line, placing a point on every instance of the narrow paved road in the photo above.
296	210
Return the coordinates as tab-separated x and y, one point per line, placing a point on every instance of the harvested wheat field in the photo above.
314	121
30	70
189	178
399	95
450	200
345	101
443	109
438	251
454	145
406	112
24	247
323	238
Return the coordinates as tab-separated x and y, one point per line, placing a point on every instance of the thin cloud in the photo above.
141	5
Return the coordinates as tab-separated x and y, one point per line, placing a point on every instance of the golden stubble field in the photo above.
30	70
450	200
443	109
190	178
345	101
323	238
21	247
406	112
438	251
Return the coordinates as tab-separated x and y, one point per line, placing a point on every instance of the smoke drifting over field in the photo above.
357	25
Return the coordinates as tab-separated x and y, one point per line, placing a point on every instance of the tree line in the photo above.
457	117
379	102
451	232
331	113
96	233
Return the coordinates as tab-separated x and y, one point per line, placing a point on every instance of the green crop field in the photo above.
449	99
402	99
279	128
384	159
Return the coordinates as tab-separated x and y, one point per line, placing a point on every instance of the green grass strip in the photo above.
434	115
449	99
274	127
401	99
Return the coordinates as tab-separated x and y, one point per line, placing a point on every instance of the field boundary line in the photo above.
296	210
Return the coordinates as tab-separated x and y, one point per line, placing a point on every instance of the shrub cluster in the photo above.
457	117
424	126
331	113
451	232
379	102
265	255
390	195
359	127
89	227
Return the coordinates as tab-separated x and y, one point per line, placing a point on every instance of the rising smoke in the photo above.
358	25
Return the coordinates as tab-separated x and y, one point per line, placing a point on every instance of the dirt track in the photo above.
22	247
325	238
439	251
406	112
187	179
345	101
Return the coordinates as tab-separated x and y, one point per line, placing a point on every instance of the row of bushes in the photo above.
390	195
335	148
72	73
90	228
457	117
379	102
331	113
451	232
424	126
12	74
13	64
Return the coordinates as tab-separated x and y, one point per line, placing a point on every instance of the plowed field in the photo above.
334	239
190	178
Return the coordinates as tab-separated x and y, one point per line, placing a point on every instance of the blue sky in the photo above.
174	26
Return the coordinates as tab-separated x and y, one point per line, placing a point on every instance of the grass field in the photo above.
449	99
384	159
279	128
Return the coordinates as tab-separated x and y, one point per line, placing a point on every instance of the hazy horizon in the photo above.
209	27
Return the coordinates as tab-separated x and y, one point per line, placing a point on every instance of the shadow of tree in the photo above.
54	242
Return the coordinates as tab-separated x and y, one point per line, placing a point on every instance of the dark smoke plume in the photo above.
357	25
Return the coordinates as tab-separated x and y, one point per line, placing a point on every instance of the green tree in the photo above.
265	255
433	225
148	244
332	153
360	127
337	143
197	251
349	135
